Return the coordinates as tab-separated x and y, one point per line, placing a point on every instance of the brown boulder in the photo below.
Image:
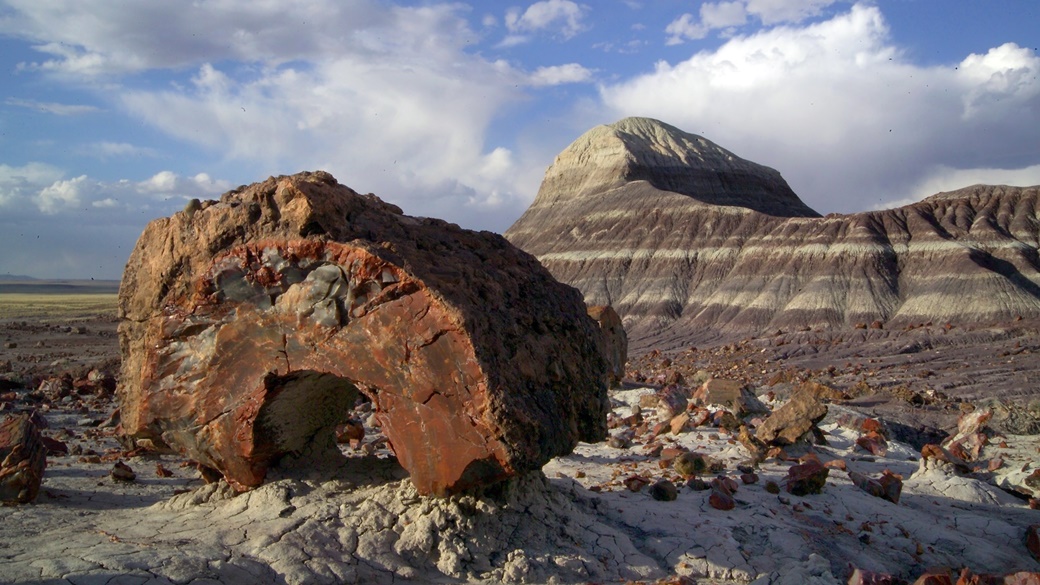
792	420
23	458
248	325
616	340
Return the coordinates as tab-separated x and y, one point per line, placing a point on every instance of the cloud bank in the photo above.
840	111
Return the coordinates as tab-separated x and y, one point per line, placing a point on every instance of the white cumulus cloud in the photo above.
559	74
60	195
841	113
728	14
561	17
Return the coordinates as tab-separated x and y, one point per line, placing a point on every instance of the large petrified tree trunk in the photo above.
249	324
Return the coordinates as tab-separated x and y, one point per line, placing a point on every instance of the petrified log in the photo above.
249	324
23	458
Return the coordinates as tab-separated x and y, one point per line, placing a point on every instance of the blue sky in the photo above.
115	112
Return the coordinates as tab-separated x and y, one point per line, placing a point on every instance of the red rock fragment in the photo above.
671	401
161	471
669	453
23	459
892	483
351	431
54	446
249	325
679	423
721	497
888	487
807	478
937	453
872	425
873	443
838	464
635	483
698	417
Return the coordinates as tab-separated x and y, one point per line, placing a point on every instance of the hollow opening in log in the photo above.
301	412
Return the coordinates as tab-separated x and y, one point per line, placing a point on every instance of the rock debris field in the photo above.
679	493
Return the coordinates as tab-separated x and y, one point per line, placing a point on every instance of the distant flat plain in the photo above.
69	299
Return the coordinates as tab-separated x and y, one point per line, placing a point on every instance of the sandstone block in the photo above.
248	326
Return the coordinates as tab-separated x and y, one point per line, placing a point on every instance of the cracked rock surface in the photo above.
250	324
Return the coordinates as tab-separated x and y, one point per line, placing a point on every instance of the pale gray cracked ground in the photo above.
363	522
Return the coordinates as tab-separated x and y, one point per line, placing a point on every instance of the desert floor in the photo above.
358	519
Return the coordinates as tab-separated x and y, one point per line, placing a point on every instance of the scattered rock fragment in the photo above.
351	431
721	498
122	472
691	464
671	402
663	490
635	483
731	395
54	447
755	447
821	392
888	487
23	459
806	478
679	423
934	456
793	420
873	443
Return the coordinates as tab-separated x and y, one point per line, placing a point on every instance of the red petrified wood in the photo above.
23	458
249	325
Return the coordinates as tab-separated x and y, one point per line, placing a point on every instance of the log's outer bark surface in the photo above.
249	324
